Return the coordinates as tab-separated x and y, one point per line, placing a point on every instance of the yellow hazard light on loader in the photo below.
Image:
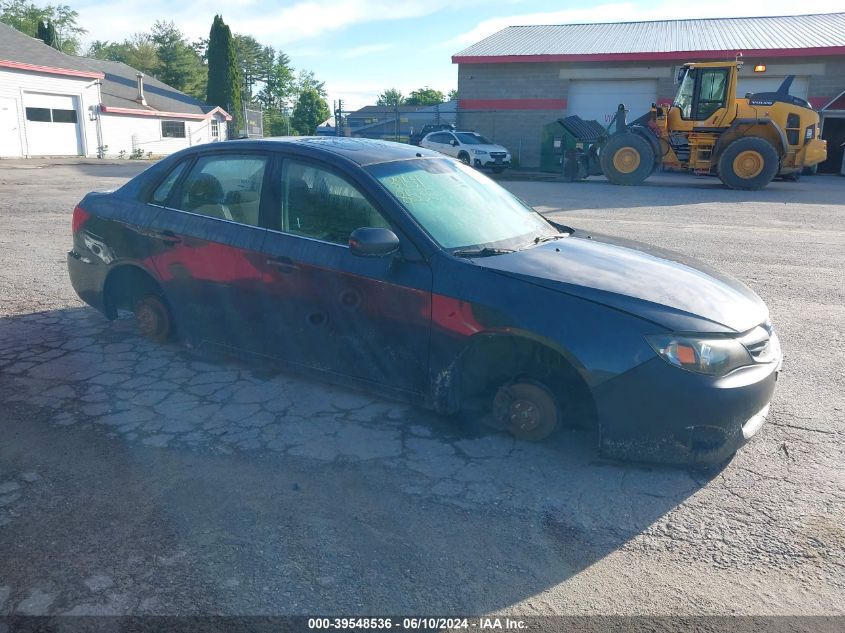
760	68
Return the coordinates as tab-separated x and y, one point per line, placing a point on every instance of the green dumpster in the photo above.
562	135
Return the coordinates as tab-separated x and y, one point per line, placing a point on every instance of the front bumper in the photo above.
487	163
657	412
815	152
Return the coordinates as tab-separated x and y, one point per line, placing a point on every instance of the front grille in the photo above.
497	154
762	343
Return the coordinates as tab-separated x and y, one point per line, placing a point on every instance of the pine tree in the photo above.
224	80
47	34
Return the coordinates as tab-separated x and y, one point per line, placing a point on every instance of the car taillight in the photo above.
80	217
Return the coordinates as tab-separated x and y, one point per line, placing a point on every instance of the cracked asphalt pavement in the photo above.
144	479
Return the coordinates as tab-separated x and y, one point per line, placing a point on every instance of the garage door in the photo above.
770	84
52	125
599	99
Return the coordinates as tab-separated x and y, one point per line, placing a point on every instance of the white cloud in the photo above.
361	51
311	18
273	22
630	11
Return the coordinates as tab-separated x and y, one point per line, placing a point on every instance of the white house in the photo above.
52	104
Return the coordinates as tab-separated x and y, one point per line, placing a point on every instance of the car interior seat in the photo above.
204	195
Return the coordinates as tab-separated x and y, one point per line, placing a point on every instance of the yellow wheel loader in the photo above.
709	130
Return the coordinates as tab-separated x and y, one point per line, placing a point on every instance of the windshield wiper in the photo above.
481	252
545	238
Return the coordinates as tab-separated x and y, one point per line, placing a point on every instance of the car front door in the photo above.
209	257
329	309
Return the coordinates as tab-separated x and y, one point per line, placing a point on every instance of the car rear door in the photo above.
326	308
209	257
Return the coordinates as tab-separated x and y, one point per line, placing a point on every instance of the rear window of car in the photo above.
162	192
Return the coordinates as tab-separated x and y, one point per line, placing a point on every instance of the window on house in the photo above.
173	129
215	128
38	114
64	116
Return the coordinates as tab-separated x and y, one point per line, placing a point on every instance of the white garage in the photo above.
52	124
599	99
52	104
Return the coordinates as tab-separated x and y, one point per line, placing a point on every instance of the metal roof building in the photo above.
521	77
786	36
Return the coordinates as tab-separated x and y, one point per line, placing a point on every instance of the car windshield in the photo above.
460	208
468	138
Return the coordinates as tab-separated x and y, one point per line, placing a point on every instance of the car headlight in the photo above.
714	356
479	152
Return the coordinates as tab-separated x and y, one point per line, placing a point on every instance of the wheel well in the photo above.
650	138
123	286
494	360
766	130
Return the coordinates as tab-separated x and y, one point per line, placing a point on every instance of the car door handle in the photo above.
283	264
168	237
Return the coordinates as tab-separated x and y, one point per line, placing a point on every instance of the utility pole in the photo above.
338	117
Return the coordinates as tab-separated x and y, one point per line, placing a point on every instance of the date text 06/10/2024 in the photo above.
411	623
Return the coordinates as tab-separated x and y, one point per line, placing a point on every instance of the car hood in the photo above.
664	287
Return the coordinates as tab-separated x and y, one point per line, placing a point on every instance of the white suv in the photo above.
469	147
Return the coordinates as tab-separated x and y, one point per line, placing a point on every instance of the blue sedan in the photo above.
396	269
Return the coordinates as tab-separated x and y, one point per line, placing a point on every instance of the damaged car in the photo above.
399	270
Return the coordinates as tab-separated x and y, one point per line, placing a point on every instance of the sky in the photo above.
361	47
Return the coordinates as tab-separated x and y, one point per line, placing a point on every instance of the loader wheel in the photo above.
749	162
627	159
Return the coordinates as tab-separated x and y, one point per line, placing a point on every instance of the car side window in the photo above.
438	138
320	204
162	192
225	186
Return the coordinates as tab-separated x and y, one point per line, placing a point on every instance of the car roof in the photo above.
362	151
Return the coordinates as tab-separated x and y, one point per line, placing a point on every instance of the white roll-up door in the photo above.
52	125
599	99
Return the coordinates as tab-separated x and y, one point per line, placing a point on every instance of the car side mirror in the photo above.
373	242
453	143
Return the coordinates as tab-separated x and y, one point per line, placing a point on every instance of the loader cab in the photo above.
705	97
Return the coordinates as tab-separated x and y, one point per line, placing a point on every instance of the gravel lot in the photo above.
144	480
